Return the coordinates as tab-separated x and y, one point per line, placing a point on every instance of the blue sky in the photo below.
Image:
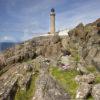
22	19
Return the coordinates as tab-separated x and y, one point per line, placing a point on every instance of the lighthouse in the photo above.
52	21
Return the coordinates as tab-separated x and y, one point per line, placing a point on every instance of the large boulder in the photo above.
83	91
91	54
96	92
64	63
90	78
82	70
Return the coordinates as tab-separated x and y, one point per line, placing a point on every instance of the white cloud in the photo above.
7	38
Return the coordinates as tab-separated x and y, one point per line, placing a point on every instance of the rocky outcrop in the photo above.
85	85
49	47
17	76
83	91
47	88
84	41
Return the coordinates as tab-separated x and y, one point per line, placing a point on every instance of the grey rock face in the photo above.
96	92
83	91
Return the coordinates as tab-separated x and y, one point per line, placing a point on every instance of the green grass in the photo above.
66	79
27	95
91	69
90	98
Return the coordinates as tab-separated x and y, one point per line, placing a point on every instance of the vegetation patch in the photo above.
91	69
27	95
77	58
66	79
97	80
90	98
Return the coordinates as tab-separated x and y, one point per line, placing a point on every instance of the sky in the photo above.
21	20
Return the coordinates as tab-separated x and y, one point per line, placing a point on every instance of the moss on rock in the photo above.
66	79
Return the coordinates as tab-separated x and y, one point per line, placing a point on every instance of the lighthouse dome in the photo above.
52	10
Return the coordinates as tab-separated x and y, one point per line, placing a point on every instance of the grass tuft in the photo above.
97	80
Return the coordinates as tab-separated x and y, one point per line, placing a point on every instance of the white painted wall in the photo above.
63	32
